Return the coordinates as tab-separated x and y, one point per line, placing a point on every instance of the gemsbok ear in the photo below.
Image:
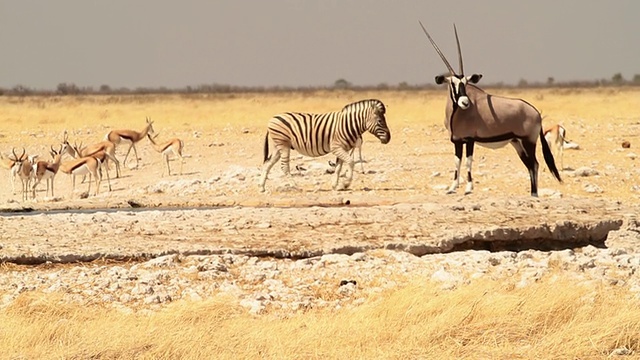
439	79
475	78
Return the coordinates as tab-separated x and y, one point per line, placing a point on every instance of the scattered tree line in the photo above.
340	84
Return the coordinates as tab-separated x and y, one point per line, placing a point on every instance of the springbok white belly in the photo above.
81	170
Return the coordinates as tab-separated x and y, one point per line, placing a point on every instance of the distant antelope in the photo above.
556	136
86	165
473	116
47	170
23	166
166	148
101	151
130	136
13	168
78	151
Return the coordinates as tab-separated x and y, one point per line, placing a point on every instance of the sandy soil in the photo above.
398	203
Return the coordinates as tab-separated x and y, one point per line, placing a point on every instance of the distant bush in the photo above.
340	84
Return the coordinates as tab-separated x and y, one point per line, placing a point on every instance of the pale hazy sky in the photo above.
152	43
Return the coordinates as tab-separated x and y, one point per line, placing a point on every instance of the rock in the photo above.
592	188
626	144
585	171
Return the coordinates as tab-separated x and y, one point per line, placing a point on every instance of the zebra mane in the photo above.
359	105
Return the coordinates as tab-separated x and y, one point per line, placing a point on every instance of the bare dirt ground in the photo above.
399	203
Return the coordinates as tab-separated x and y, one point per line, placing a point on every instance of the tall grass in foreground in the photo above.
555	318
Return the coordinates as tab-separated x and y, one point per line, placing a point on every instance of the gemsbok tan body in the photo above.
474	116
130	136
173	146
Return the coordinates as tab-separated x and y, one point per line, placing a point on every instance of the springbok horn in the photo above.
24	151
15	157
459	51
451	71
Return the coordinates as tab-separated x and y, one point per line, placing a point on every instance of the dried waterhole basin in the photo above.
306	230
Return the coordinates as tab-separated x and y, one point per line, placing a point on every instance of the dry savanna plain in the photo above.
204	265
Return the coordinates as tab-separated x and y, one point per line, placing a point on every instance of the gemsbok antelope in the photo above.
474	116
166	148
130	136
86	165
45	170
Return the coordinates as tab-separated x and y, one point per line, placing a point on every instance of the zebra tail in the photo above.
266	148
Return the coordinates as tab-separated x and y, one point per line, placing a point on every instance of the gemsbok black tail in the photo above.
548	157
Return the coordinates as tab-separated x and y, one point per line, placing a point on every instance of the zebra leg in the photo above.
285	152
266	167
469	188
360	156
456	177
343	157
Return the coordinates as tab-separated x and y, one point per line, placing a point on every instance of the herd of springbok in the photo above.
93	160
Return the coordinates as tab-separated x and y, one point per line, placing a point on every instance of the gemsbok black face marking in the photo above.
473	116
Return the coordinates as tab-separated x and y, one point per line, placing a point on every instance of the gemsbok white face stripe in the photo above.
493	121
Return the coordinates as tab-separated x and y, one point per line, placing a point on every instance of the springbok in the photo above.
556	136
103	152
166	148
47	170
23	167
78	151
13	168
130	136
86	165
473	116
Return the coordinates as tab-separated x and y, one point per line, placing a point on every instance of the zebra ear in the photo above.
475	78
439	79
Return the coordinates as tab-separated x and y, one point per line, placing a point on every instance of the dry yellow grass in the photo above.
555	318
552	319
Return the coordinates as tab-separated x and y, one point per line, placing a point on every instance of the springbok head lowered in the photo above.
457	82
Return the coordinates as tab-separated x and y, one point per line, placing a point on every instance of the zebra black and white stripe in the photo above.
320	134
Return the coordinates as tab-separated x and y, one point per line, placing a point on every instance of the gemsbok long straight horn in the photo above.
473	116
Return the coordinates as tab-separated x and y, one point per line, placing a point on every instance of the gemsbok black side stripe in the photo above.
473	116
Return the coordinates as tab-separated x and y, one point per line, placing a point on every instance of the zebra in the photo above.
320	134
